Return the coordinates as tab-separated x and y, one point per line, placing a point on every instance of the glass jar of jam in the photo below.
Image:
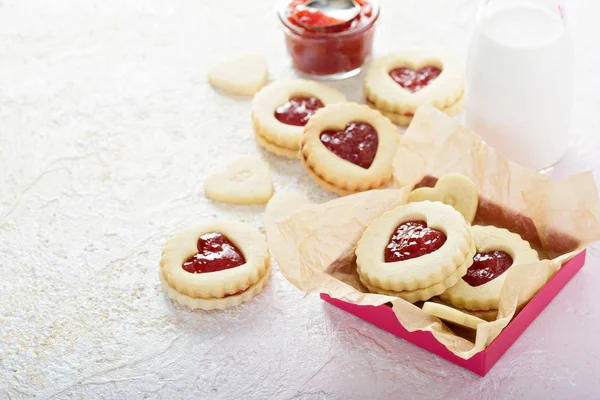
333	52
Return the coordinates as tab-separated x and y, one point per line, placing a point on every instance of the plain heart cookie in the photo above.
244	75
455	190
246	180
399	83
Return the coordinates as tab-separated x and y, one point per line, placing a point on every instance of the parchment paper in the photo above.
314	245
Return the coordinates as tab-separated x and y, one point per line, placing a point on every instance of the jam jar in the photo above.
320	50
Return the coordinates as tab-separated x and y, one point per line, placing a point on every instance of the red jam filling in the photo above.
413	239
487	266
356	144
413	80
298	110
309	18
215	253
319	45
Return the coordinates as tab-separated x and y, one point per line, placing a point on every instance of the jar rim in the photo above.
282	8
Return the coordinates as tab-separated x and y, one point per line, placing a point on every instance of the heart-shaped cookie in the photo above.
357	143
243	75
246	180
455	190
415	80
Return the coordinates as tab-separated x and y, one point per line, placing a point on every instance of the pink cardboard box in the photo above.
383	317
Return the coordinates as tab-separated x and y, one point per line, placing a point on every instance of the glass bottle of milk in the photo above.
520	80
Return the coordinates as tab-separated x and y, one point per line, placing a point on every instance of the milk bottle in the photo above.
520	80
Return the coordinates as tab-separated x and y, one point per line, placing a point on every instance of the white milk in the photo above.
519	82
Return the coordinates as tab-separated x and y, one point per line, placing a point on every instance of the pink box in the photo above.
383	317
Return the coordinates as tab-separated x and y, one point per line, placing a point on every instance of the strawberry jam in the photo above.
311	18
412	80
413	239
320	45
215	253
487	266
356	144
298	110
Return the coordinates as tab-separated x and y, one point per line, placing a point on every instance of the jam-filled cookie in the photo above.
453	189
216	264
348	148
415	251
281	110
399	83
487	315
497	251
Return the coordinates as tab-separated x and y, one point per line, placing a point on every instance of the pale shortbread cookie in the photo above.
442	92
337	174
406	119
412	296
246	180
217	303
488	315
452	315
453	189
420	272
213	285
283	204
486	297
243	75
284	139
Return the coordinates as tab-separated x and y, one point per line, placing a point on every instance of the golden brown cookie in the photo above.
348	148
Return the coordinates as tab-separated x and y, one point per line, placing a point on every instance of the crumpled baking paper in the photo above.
314	244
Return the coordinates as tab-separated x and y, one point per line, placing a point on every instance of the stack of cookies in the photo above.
215	264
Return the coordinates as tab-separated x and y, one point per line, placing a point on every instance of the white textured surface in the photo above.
107	127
